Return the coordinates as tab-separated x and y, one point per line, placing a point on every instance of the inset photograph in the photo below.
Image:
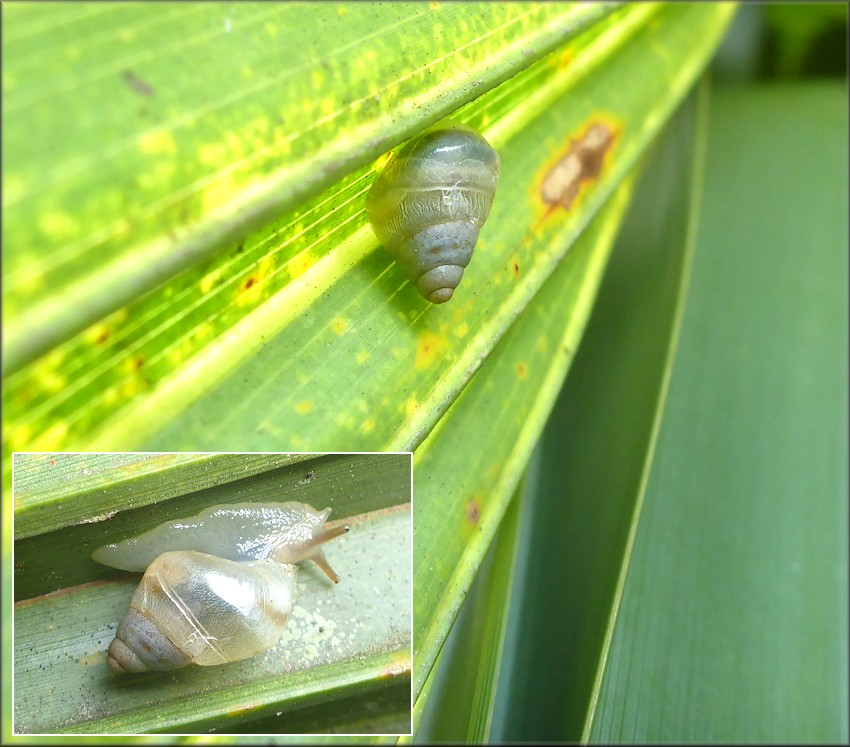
197	593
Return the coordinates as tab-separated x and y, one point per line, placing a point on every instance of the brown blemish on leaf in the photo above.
572	170
102	337
139	362
515	268
249	283
473	511
137	84
429	347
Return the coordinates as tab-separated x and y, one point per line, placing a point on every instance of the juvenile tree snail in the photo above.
218	587
429	203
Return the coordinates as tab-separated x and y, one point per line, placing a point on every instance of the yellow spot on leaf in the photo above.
212	154
299	264
13	187
203	331
339	325
362	357
271	29
218	193
302	408
130	388
410	407
19	437
235	143
209	281
51	380
522	370
462	330
368	425
429	345
58	226
157	142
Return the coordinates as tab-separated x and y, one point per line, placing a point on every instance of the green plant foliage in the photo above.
731	622
580	499
336	351
700	536
218	121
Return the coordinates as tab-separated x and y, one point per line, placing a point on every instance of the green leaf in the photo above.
465	676
580	499
220	118
691	508
732	617
288	343
343	646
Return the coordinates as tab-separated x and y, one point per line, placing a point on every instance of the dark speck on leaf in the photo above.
137	84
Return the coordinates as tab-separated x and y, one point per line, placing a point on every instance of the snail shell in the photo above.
218	587
429	203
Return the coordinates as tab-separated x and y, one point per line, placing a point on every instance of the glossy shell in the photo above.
429	203
194	608
218	587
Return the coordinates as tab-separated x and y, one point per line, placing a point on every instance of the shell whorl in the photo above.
429	203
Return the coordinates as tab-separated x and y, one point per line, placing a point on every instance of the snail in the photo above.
218	587
429	203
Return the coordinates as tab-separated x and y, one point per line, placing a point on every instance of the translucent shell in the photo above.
429	203
194	608
218	587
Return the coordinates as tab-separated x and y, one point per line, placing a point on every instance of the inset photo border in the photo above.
208	548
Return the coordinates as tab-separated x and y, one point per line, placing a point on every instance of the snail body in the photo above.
429	203
218	587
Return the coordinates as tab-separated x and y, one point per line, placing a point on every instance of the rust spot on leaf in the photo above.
573	169
473	511
429	346
250	282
